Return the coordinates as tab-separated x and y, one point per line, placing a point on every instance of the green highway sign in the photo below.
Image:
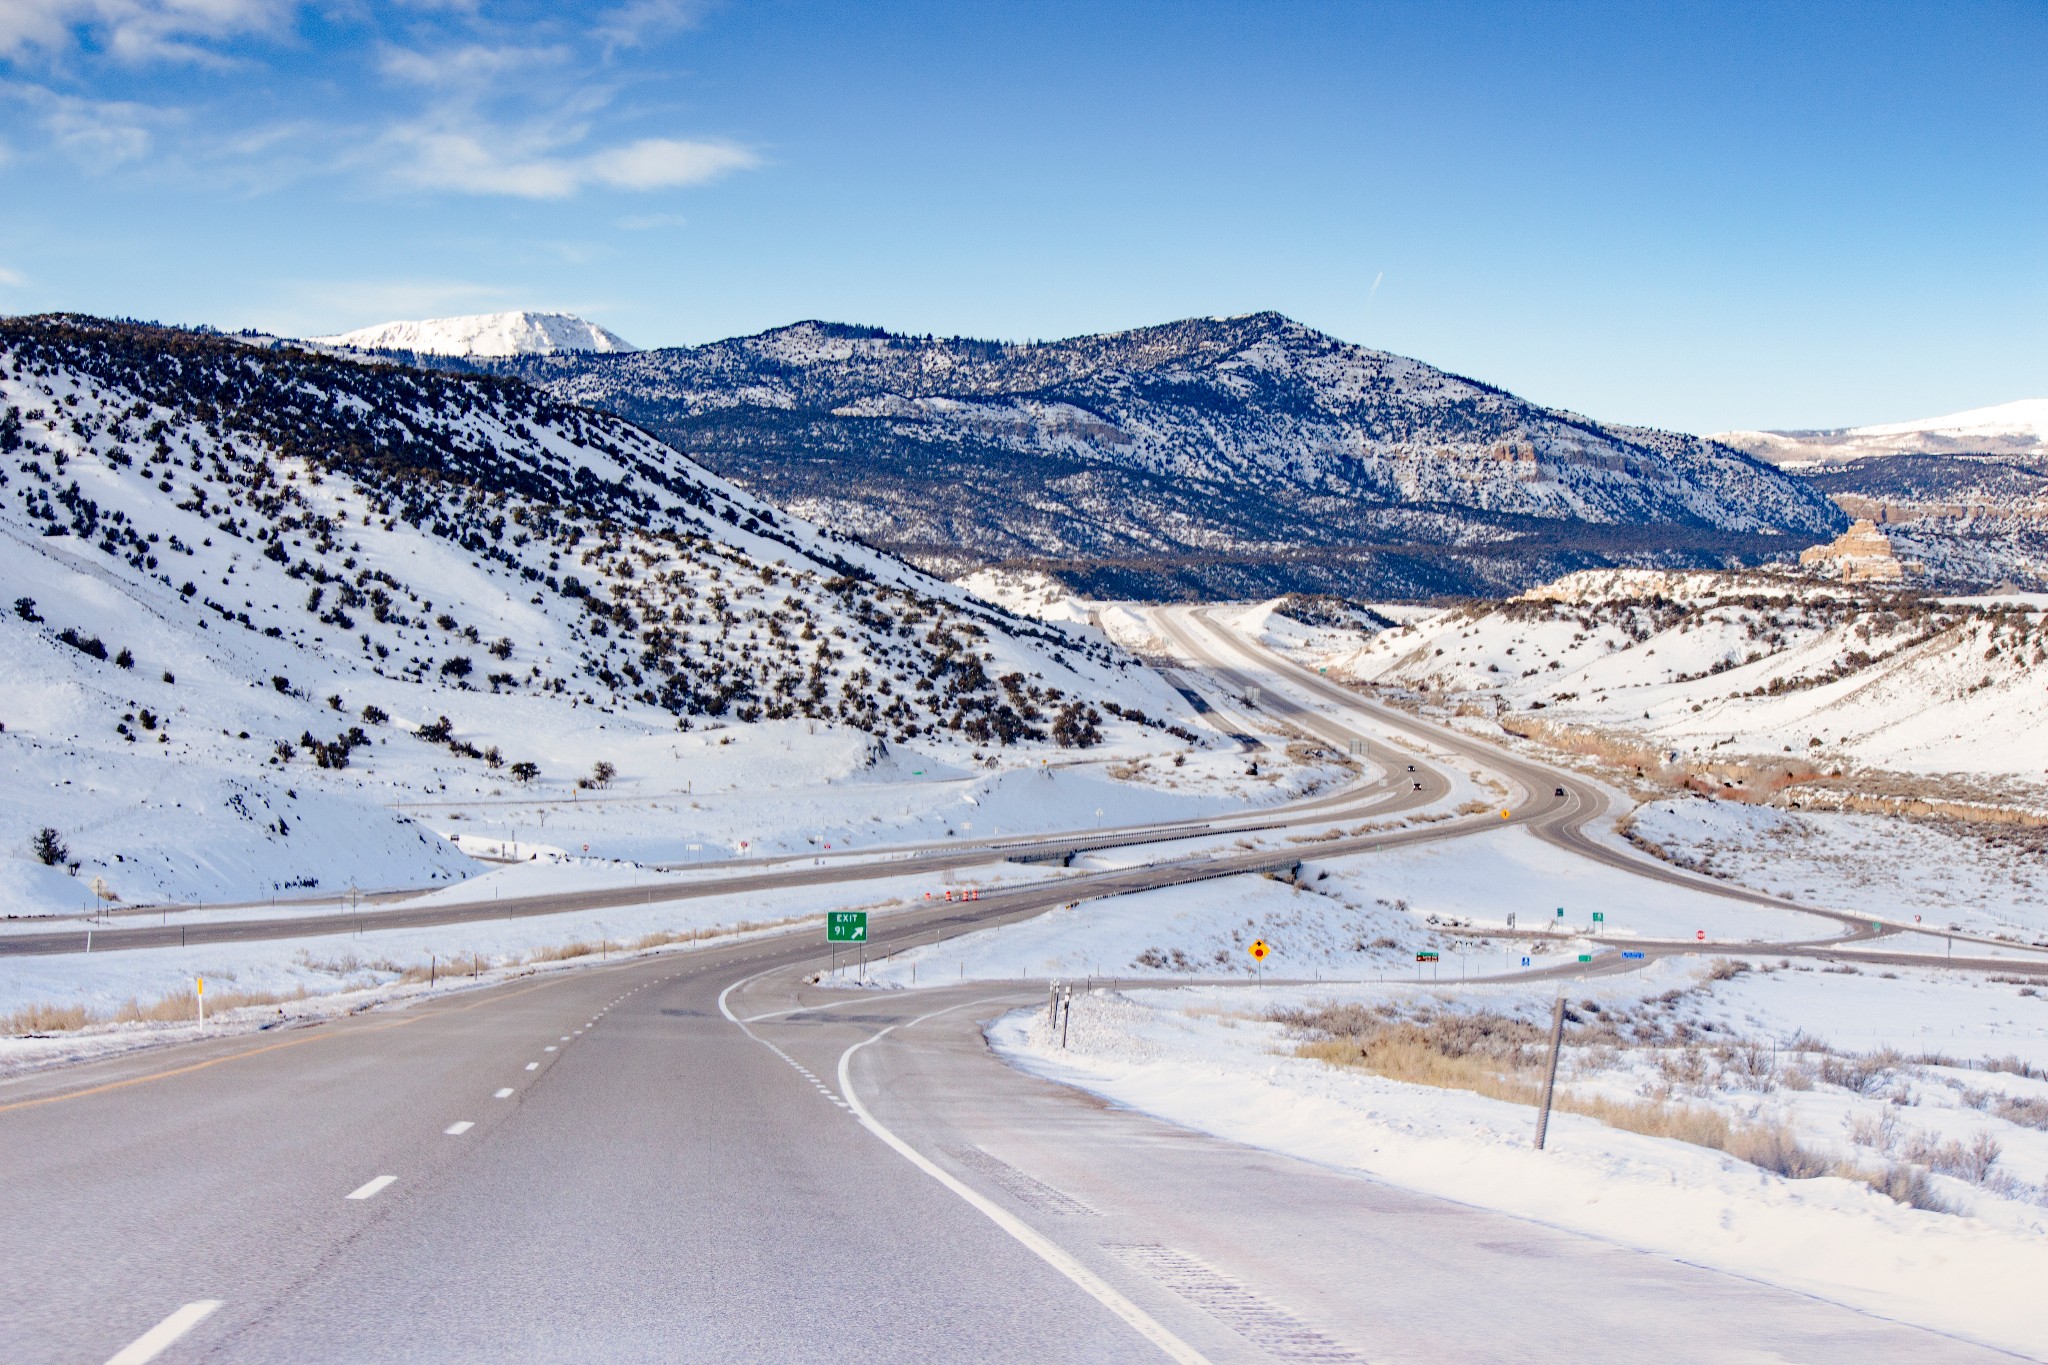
1585	957
846	926
1425	956
1599	917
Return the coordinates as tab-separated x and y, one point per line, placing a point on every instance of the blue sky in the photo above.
1699	216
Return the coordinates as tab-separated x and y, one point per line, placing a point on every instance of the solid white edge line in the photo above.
152	1343
1094	1285
370	1189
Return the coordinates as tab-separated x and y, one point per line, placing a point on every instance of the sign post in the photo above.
199	994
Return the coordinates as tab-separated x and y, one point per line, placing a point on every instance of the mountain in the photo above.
261	596
486	334
1211	457
2019	428
1966	495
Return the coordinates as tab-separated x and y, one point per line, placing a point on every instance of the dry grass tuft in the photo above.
1500	1057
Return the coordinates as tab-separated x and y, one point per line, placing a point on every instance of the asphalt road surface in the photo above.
685	1159
704	1156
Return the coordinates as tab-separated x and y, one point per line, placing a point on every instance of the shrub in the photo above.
124	659
48	846
25	608
523	771
84	644
457	667
374	714
602	773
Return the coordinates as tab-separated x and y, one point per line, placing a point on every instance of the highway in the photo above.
706	1156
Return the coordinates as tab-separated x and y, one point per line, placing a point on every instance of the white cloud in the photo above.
136	31
11	278
533	165
96	133
473	65
659	163
633	23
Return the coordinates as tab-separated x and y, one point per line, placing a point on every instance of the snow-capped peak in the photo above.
485	334
2027	417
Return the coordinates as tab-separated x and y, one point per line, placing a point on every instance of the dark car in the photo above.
1560	791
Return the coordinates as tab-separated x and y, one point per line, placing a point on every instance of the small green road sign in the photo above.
846	926
1599	917
1585	957
1425	956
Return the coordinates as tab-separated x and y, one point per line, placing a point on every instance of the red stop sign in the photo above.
1703	936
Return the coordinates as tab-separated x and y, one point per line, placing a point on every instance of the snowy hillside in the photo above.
1219	456
2019	428
1745	685
257	596
485	334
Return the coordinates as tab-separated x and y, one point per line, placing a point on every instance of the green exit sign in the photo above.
846	926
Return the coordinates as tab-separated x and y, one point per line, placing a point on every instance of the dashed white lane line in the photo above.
458	1128
504	1094
565	1037
152	1343
550	1048
373	1188
533	1066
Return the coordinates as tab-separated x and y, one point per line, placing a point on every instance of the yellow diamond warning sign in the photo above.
1259	949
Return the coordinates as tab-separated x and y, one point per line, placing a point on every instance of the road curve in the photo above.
600	1164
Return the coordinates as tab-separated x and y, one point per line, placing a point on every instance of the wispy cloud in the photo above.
472	105
11	278
136	31
647	222
94	134
531	165
633	23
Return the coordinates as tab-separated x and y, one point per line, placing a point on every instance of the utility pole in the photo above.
1550	1072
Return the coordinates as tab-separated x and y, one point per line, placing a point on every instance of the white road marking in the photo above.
533	1066
549	1048
152	1343
373	1188
504	1094
565	1037
458	1128
1098	1288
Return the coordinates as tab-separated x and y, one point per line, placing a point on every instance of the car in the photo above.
1411	767
1560	791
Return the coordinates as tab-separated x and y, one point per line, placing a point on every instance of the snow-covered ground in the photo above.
1215	1060
1740	681
1930	1083
1980	879
1365	916
239	659
315	976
